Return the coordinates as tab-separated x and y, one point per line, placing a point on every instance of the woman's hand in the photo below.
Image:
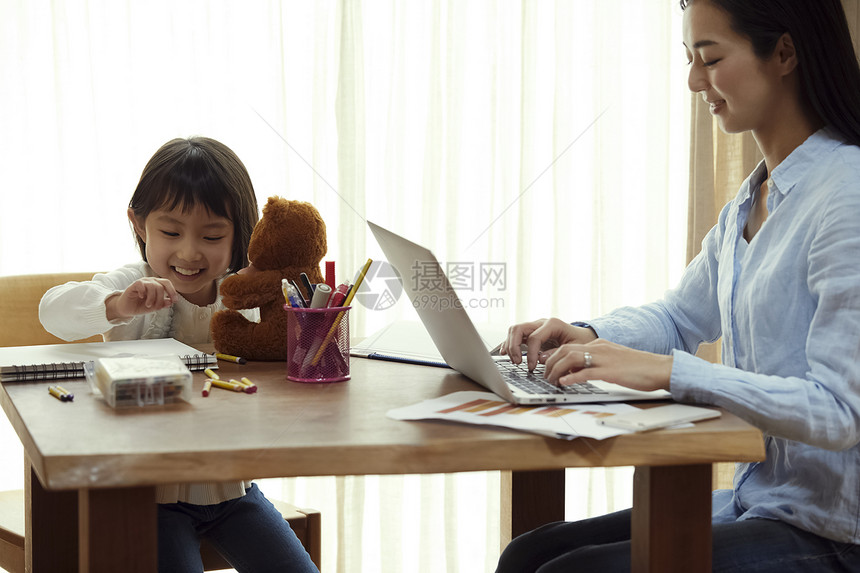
603	360
540	337
143	296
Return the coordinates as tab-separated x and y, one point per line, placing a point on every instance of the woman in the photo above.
778	278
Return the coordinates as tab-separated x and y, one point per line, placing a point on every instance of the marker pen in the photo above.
321	296
338	296
329	275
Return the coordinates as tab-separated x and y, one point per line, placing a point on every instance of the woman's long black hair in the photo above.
829	73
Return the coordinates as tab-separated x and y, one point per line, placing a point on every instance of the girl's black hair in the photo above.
829	74
199	171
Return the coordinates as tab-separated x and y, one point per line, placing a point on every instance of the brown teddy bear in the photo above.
288	240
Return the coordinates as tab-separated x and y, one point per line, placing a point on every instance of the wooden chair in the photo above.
12	531
723	475
19	309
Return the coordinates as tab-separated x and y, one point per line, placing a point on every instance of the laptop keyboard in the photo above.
534	382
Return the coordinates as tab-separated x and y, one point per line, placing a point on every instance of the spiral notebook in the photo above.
58	361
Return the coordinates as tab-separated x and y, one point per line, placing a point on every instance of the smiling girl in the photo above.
192	214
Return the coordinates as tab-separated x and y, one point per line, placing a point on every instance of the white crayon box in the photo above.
134	381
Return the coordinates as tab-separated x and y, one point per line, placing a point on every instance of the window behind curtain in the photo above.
547	137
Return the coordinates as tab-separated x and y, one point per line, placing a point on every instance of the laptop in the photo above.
459	343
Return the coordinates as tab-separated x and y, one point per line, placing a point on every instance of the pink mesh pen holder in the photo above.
317	344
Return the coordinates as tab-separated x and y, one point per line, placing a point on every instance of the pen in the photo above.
299	293
230	358
337	320
284	284
321	296
293	298
207	386
308	286
338	296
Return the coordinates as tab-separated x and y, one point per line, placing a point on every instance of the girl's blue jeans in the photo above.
248	531
603	544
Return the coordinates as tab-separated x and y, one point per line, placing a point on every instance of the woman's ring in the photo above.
587	357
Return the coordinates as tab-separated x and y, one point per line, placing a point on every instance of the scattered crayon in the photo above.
211	374
249	386
207	386
234	386
61	393
230	358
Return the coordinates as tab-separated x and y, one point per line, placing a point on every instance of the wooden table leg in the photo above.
92	531
118	530
671	524
529	500
51	527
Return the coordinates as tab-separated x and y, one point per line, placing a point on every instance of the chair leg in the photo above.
11	540
313	536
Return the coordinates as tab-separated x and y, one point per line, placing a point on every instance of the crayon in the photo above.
248	386
230	358
61	393
234	386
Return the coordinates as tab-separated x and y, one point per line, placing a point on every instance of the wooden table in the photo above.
91	483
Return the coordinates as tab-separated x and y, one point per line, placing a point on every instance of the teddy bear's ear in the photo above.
272	204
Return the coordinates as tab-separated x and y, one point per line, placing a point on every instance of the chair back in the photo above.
19	307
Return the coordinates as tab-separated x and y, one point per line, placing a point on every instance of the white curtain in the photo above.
550	138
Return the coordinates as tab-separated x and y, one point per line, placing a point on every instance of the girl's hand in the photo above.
610	362
541	337
143	296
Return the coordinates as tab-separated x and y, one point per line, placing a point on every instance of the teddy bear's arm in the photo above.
251	291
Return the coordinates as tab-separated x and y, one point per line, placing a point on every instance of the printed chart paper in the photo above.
485	408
